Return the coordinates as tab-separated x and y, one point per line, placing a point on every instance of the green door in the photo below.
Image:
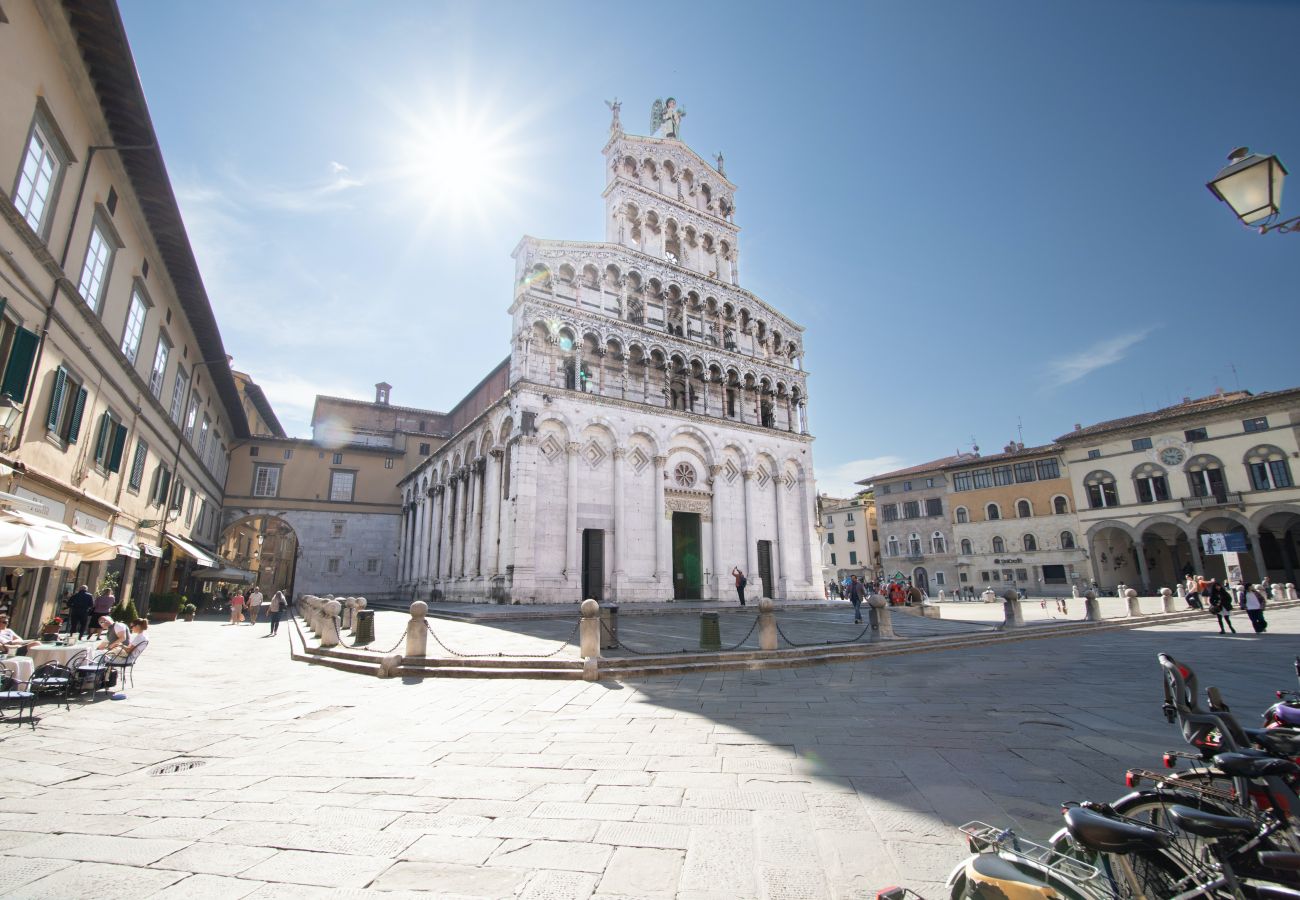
687	562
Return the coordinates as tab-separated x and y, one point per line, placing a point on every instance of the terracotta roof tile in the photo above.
1197	407
932	466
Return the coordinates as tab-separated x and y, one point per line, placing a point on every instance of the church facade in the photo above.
648	432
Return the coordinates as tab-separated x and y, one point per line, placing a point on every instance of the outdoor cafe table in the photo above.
20	667
59	653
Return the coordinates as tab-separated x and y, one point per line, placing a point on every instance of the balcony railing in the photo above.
1222	498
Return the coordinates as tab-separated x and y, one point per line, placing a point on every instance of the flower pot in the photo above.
156	617
189	617
49	636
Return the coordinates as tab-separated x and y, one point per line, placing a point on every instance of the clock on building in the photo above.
1169	451
1172	456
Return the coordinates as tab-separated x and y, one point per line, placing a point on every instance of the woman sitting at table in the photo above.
137	644
10	639
116	633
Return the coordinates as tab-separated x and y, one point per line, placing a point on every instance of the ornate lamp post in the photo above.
1252	185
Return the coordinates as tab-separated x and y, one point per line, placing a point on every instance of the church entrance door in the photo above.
593	564
765	568
687	568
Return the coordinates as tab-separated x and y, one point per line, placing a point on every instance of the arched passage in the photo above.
265	545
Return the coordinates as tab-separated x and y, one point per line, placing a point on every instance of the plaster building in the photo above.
119	405
1014	523
321	515
916	540
848	535
648	431
1151	485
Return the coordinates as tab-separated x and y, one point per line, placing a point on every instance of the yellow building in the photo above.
119	404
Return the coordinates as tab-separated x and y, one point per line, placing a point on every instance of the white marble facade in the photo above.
654	432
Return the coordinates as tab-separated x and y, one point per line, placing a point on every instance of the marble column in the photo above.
619	531
751	542
453	525
1257	551
420	506
1144	576
467	491
1193	544
435	538
493	493
807	516
781	575
663	529
474	565
403	544
720	567
572	541
506	553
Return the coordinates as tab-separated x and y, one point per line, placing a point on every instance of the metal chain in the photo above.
499	655
852	640
390	649
621	645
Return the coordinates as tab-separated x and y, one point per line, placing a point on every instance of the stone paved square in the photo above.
829	781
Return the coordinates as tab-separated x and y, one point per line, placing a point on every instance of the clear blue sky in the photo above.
983	213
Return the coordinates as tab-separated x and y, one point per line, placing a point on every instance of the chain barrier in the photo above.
567	641
391	649
619	644
852	640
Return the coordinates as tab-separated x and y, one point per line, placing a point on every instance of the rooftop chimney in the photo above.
382	390
1078	427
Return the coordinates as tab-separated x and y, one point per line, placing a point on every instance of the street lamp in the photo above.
1252	185
9	413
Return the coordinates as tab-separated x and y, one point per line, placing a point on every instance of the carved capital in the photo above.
716	470
660	460
572	448
620	452
497	452
747	474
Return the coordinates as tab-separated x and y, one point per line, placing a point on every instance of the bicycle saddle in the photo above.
1248	765
1282	741
1106	835
1209	825
1277	859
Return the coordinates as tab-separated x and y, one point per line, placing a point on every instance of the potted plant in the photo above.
187	611
164	607
50	630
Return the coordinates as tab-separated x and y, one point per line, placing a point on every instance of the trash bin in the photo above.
710	632
364	628
609	631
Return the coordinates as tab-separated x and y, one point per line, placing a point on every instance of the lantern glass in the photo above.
1252	187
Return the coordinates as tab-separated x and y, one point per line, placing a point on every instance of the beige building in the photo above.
1014	523
1151	486
119	404
849	538
321	515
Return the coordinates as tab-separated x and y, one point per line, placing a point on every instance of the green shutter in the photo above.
56	397
164	483
119	447
18	373
101	437
78	408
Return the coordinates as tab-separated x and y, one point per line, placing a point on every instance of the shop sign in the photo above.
50	509
88	523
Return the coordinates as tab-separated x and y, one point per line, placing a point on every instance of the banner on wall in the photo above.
1229	542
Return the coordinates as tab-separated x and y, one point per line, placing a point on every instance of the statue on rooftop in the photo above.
614	105
666	119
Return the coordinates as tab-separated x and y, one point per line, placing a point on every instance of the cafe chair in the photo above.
14	694
126	664
53	680
93	670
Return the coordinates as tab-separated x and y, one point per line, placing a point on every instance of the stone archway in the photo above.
1212	563
1115	557
1279	543
265	545
1168	552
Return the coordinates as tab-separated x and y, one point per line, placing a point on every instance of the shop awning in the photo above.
202	557
29	540
130	550
151	550
226	573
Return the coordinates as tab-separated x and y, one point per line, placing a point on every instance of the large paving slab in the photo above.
826	781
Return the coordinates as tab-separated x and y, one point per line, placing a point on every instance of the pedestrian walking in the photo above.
1221	606
237	608
276	609
741	581
857	593
80	606
254	604
1254	603
104	603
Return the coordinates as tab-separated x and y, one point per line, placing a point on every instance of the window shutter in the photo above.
119	446
18	373
163	484
78	408
102	437
56	397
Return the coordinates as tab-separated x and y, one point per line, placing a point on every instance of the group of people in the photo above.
85	610
1209	593
247	609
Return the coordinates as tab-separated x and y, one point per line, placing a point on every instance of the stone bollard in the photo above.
882	617
358	607
417	632
1172	603
589	630
329	635
942	596
389	665
1279	593
1134	607
989	597
349	610
1074	590
1091	608
766	624
1013	616
1290	591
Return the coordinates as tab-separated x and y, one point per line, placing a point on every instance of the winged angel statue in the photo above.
666	119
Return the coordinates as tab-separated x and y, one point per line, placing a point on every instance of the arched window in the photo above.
965	546
1268	468
1151	484
1101	490
892	544
1023	509
914	545
962	515
1205	477
992	512
1067	540
1060	505
938	544
1031	543
999	545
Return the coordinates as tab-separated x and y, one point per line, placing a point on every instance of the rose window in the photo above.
684	474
